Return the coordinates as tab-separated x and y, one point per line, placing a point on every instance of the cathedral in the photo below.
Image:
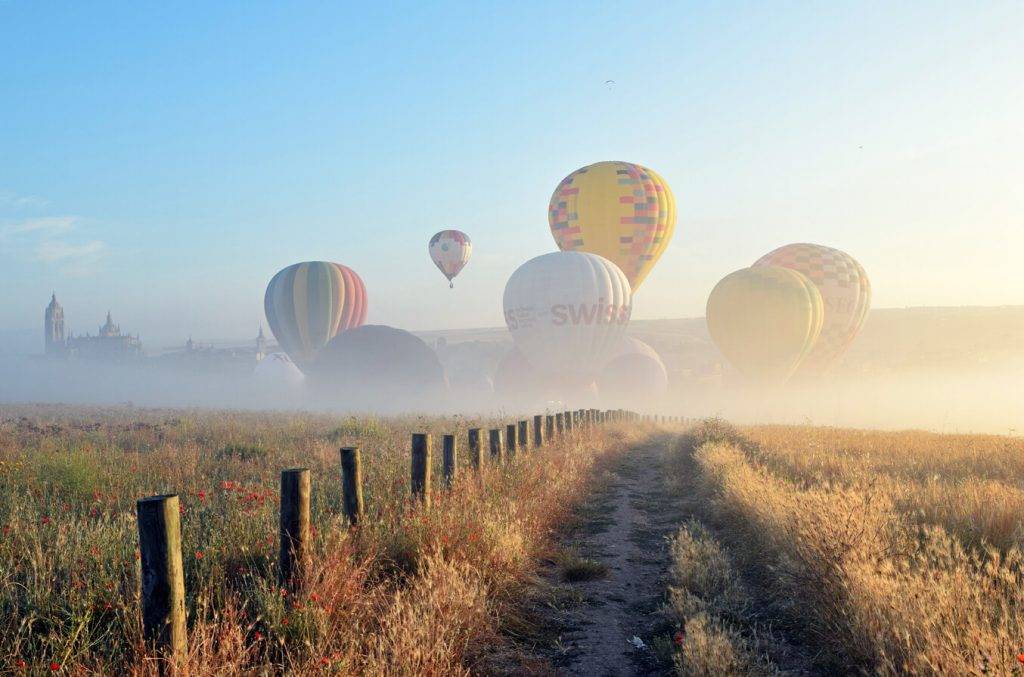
108	343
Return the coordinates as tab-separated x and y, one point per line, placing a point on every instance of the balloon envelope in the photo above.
276	370
519	384
634	374
307	304
380	366
765	320
845	293
566	312
450	251
622	211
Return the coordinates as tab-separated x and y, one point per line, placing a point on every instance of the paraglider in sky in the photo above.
566	312
845	294
450	251
308	303
619	210
765	320
634	373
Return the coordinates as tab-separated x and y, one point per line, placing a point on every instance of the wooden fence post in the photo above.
476	452
549	426
496	445
450	460
538	431
294	558
510	441
163	578
567	417
420	481
523	436
560	423
352	484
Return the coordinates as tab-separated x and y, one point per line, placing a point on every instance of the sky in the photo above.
164	160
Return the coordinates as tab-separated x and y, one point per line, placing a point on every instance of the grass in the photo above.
885	553
409	592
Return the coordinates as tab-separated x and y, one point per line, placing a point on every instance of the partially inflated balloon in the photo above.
450	250
308	303
567	311
619	210
633	375
845	293
765	320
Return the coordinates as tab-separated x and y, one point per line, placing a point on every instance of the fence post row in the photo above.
352	484
163	577
420	483
295	554
450	460
495	444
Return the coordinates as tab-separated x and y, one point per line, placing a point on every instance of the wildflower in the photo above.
227	485
201	495
257	636
20	663
199	554
325	661
313	597
181	509
1020	657
679	637
46	520
54	667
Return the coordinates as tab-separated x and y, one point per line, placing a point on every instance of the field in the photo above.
792	549
408	592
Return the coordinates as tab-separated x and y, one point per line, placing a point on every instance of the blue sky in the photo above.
164	160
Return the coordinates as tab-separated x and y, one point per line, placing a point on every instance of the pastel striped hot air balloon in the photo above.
450	250
765	320
308	303
845	294
619	210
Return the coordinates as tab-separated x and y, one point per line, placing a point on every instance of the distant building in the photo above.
108	343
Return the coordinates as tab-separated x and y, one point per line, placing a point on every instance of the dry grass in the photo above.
875	548
410	592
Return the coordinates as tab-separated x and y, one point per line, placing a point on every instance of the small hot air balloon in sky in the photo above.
765	320
845	294
450	251
566	312
618	210
308	303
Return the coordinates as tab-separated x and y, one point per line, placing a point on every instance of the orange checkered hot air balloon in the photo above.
845	293
619	210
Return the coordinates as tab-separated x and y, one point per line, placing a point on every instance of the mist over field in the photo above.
947	370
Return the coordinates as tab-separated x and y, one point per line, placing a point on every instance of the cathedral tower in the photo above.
53	328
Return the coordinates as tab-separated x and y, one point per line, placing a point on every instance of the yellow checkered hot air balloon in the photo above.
765	320
619	210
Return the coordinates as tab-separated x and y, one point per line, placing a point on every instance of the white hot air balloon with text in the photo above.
567	312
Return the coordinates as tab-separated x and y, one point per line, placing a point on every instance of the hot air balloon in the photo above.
378	366
618	210
277	371
566	312
765	320
634	374
308	303
845	293
450	251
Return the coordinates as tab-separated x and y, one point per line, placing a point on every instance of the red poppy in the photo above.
679	638
325	661
199	554
313	597
54	667
201	495
20	663
1020	657
257	636
46	520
